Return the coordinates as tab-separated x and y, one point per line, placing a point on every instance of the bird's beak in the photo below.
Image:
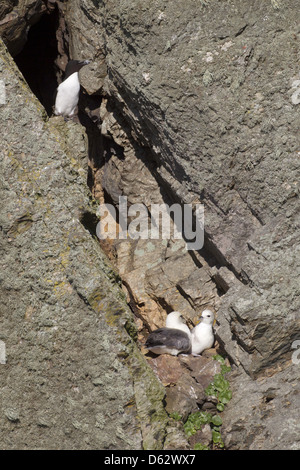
214	322
85	62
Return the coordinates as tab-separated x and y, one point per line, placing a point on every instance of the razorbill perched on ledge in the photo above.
202	334
173	339
68	91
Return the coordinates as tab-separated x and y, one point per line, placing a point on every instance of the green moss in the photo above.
195	422
220	389
199	446
131	329
176	416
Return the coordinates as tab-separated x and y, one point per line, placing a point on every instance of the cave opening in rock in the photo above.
36	61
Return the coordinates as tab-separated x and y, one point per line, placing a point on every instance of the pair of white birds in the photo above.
176	337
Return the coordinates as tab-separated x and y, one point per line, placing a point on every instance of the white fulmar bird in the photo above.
68	91
202	334
173	339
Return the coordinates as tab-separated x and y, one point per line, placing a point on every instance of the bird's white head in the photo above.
207	316
173	319
176	320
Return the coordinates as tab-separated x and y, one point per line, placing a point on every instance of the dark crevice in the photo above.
89	16
90	221
240	31
253	212
185	295
133	306
221	260
198	263
242	345
222	350
221	284
269	398
37	59
163	303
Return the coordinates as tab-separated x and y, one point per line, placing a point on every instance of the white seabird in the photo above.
172	339
202	334
176	320
68	91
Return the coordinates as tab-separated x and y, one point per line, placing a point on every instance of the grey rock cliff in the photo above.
73	377
209	92
201	104
231	142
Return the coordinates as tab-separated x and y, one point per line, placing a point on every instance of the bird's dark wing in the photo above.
169	337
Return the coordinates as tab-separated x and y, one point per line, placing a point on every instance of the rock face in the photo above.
73	377
202	104
263	414
198	95
16	17
211	96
